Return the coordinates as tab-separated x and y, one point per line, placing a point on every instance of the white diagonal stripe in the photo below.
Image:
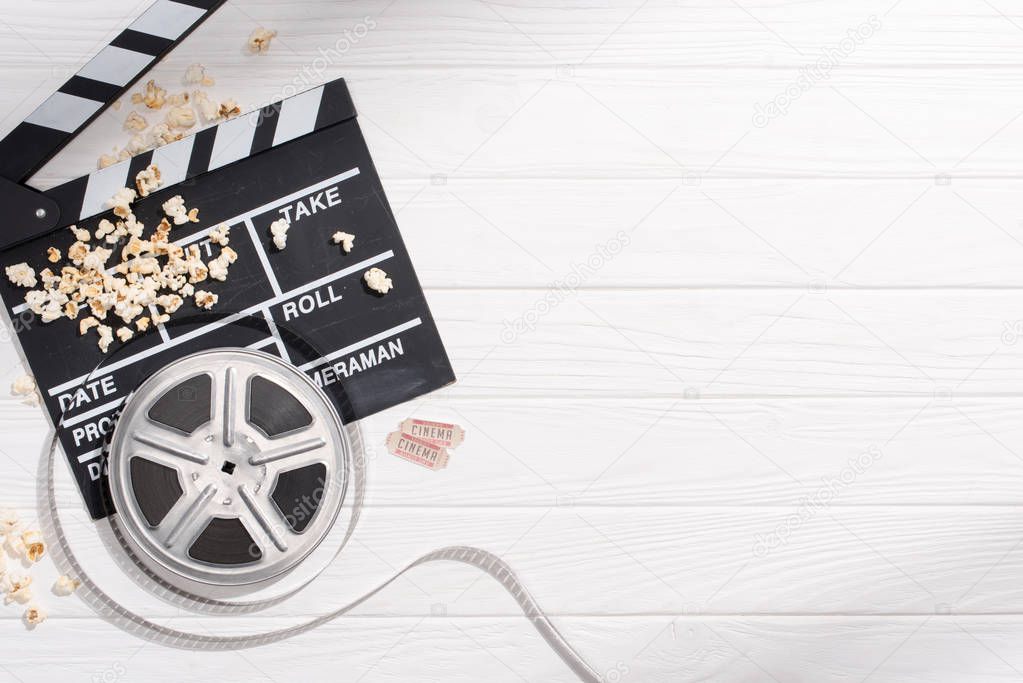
234	140
298	115
115	65
103	185
172	160
64	112
167	19
91	455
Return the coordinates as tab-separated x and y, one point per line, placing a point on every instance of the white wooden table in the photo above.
777	436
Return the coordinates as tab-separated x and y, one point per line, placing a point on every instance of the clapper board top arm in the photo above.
78	102
226	143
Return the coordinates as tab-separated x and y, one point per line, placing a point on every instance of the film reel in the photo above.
228	468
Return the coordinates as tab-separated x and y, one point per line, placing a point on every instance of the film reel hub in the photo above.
227	468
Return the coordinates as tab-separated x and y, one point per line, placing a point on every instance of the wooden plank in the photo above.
628	343
720	233
687	125
765	32
722	343
658	649
667	560
535	452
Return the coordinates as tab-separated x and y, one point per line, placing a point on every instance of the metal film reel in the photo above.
228	468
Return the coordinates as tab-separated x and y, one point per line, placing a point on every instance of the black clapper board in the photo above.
303	159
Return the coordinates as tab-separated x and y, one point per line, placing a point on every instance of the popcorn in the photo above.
121	202
126	289
25	388
34	546
36	301
136	145
52	312
136	122
259	40
154	96
218	266
15	546
9	522
104	228
175	209
170	302
378	281
86	325
163	135
217	270
147	180
196	75
279	230
65	585
208	109
22	275
106	160
99	306
345	240
197	270
34	615
96	259
181	117
221	235
131	226
206	300
78	251
106	337
229	108
19	588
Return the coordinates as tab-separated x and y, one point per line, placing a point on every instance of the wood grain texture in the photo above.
659	649
839	282
624	122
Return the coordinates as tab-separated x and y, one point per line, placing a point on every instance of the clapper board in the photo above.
303	159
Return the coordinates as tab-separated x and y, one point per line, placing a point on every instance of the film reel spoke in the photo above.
166	446
264	517
289	450
230	405
189	510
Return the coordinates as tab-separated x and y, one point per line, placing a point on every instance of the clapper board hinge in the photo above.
27	213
